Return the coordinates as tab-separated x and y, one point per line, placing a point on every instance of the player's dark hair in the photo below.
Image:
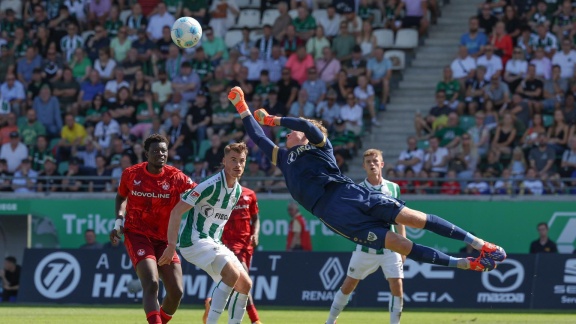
236	147
154	138
10	259
542	224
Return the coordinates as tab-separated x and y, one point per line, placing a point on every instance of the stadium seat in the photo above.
53	143
377	19
406	39
232	37
124	15
255	34
423	144
319	14
269	17
249	18
63	167
398	59
548	120
293	13
204	146
384	37
467	122
243	3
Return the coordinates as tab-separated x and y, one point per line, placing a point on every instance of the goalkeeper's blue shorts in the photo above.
361	215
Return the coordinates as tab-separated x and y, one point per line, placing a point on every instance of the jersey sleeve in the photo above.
313	133
185	183
123	189
397	188
197	194
253	204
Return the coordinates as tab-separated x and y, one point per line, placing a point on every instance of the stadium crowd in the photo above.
84	82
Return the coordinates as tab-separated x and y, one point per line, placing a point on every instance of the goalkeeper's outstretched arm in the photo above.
257	135
312	132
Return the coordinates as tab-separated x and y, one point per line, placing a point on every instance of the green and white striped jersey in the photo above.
388	188
212	204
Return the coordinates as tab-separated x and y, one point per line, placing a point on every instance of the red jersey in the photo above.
151	197
238	229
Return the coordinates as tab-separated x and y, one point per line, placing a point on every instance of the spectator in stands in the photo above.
502	42
255	65
351	113
505	185
480	134
5	176
274	106
276	63
491	61
542	63
531	185
200	171
280	26
7	61
302	107
266	43
436	159
27	64
90	90
512	21
304	24
531	88
48	111
416	13
162	88
223	15
264	86
52	65
106	130
492	167
90	238
331	22
12	92
10	276
530	137
160	19
464	66
299	63
540	14
568	162
562	25
180	137
379	72
222	116
144	47
316	88
88	153
486	20
342	139
554	90
47	181
214	154
364	93
328	66
145	112
566	59
423	185
173	62
450	134
558	133
546	40
412	157
428	124
366	39
451	186
355	66
496	93
7	128
451	87
516	69
187	82
543	244
31	128
246	44
474	40
97	42
478	186
67	89
503	140
354	22
80	65
25	178
241	80
112	86
316	44
121	44
465	159
176	105
542	157
101	184
104	65
135	21
328	110
71	41
125	162
39	153
253	170
44	40
13	152
72	135
19	43
343	43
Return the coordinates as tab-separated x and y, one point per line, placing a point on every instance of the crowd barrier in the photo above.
309	279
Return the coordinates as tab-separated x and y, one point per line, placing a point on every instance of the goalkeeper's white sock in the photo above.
237	307
338	304
219	299
395	307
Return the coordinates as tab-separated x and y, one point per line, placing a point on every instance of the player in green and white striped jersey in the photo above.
364	260
209	206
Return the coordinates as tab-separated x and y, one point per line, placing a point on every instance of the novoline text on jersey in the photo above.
150	194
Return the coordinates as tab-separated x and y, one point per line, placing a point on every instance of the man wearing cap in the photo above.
25	178
14	152
47	182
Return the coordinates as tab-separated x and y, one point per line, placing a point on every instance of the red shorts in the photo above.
141	247
244	255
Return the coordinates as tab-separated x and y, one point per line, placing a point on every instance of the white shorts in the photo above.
363	264
203	254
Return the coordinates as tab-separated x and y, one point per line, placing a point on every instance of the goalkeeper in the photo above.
354	212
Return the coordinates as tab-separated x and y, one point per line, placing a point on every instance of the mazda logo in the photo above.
499	280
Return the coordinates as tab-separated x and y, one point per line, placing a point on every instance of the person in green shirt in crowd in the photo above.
30	128
452	89
145	112
343	43
218	84
96	109
196	9
264	87
214	47
113	23
202	65
451	133
304	23
39	153
9	24
343	140
222	116
80	65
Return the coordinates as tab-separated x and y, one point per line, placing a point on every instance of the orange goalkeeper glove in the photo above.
262	117
236	97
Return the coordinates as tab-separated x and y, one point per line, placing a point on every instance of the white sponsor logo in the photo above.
570	271
57	275
166	186
137	183
569	278
414	233
427	270
567	222
331	273
418	297
149	194
500	285
372	236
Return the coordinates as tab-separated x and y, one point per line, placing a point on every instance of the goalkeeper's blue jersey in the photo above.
307	170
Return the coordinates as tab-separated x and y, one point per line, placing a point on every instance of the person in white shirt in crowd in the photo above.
412	157
542	63
255	65
25	178
317	43
480	134
162	88
113	85
331	22
328	110
275	64
13	152
302	107
436	158
364	93
106	130
351	113
516	68
543	38
566	58
531	185
491	61
89	153
223	15
464	66
71	41
315	87
328	66
478	186
13	92
158	21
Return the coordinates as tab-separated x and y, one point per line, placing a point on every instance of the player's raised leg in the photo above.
440	226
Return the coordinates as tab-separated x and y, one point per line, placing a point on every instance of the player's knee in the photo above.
349	285
176	291
150	286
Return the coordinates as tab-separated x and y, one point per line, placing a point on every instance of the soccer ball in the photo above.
134	286
186	32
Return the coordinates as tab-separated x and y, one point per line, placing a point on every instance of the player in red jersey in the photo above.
148	191
240	235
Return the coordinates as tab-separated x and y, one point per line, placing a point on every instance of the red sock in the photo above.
153	317
252	313
165	317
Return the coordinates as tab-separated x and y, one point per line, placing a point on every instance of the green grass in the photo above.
16	314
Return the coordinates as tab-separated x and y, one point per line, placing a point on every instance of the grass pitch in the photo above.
17	314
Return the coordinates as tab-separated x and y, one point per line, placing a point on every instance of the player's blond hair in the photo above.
236	147
318	124
372	152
